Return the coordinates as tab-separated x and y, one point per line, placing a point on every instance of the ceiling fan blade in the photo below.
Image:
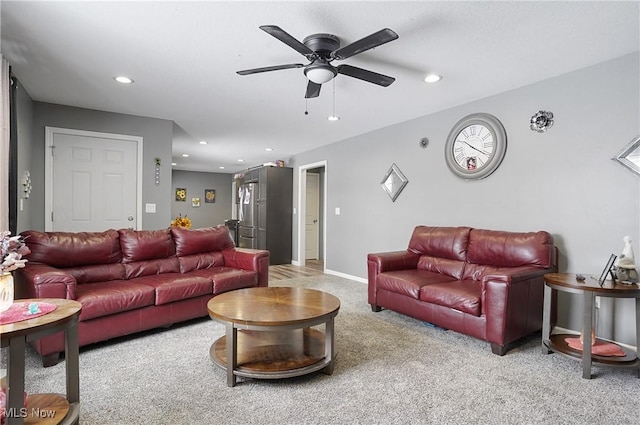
369	42
269	68
363	74
289	40
313	90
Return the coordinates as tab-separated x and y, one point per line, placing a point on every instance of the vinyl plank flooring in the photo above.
289	271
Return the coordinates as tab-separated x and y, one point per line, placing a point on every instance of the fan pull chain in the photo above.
306	106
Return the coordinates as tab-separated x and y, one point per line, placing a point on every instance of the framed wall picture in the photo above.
195	202
181	194
209	196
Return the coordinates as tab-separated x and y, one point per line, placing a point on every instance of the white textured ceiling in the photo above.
184	57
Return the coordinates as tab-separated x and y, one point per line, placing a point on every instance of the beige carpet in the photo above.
390	369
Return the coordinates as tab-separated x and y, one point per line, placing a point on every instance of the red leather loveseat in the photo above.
484	283
129	281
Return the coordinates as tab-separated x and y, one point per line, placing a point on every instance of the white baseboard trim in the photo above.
346	276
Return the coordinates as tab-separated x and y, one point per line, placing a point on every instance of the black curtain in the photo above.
13	156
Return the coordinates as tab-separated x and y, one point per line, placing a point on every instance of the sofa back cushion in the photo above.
440	242
142	245
67	249
197	241
97	273
510	249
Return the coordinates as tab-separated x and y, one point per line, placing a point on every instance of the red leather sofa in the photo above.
483	283
130	281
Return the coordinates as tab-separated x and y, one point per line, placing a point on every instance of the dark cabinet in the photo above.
274	210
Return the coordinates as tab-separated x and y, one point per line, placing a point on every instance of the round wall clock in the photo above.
476	146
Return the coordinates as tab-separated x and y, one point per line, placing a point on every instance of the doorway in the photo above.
312	227
92	181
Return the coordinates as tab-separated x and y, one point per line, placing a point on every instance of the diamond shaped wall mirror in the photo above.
393	182
630	156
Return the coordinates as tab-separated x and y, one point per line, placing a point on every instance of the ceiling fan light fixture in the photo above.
320	73
333	118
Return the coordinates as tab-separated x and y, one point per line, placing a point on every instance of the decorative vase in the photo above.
6	291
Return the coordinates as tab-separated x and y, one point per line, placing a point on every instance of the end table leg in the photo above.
329	346
586	334
546	319
232	353
15	380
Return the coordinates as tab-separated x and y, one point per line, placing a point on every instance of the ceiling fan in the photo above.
321	50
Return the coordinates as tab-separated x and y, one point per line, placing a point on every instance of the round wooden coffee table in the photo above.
274	332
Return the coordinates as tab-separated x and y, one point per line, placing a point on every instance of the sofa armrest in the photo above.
394	260
387	261
38	280
512	303
256	260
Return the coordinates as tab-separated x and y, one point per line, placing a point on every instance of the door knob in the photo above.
315	221
130	218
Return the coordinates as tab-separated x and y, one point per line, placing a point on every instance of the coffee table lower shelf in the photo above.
275	354
558	344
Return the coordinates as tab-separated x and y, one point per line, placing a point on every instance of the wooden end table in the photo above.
589	289
43	409
269	332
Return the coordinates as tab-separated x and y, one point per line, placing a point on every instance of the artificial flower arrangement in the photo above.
12	249
180	221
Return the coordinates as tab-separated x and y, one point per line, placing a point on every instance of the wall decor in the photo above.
209	196
393	182
629	156
475	146
26	184
181	194
157	161
195	202
541	121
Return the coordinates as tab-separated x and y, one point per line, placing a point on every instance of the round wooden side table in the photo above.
43	409
589	289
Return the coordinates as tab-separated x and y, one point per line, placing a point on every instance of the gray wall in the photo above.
157	135
207	214
24	113
562	181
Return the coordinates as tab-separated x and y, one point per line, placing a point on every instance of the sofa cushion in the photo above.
97	273
462	295
67	249
172	287
207	260
142	245
453	268
105	298
226	278
409	282
510	249
151	267
208	239
440	242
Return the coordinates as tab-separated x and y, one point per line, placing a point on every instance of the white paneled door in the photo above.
312	216
94	181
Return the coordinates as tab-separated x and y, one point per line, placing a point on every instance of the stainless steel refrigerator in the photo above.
247	214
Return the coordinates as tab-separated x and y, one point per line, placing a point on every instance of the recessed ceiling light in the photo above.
203	142
122	79
268	149
432	78
221	167
173	164
333	118
241	160
185	155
